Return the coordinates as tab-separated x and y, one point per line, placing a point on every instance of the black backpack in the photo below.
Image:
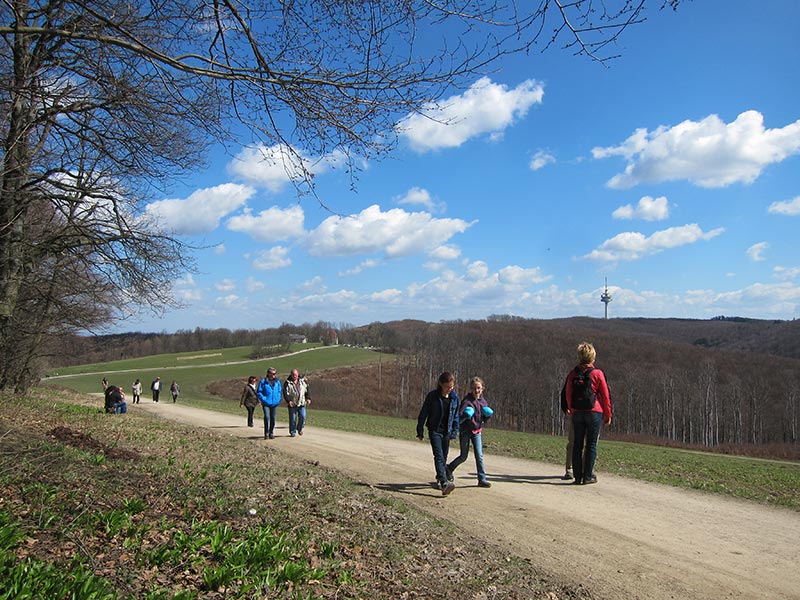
583	397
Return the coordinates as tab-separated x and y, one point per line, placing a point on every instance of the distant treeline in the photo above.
708	383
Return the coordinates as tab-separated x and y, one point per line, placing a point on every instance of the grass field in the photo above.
763	481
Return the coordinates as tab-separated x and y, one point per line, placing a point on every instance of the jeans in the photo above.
464	438
440	444
587	428
269	419
297	419
570	444
120	408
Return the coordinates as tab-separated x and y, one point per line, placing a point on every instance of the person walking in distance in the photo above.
136	389
155	387
174	389
270	393
589	404
249	399
473	412
297	394
439	413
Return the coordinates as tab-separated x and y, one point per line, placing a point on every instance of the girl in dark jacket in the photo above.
249	398
473	413
440	413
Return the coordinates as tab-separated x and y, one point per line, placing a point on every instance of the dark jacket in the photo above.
249	397
434	407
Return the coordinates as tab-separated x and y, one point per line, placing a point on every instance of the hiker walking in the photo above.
440	413
473	413
589	404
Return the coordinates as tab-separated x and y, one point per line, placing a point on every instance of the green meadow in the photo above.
764	481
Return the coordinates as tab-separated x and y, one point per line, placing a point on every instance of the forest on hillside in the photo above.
713	384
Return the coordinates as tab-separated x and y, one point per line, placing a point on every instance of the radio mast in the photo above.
605	297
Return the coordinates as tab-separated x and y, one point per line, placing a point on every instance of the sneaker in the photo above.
449	472
272	436
577	482
300	432
448	487
484	483
588	480
567	476
291	435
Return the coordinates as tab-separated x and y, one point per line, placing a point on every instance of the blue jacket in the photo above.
270	394
433	408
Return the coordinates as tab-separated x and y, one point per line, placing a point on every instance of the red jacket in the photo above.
599	387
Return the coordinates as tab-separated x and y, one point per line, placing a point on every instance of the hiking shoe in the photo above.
588	480
449	472
484	483
567	476
300	432
577	482
272	436
448	487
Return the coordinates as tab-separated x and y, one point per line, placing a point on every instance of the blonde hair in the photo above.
586	353
477	380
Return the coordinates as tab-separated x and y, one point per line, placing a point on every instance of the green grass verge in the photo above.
193	376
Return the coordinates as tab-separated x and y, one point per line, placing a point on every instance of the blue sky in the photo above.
673	172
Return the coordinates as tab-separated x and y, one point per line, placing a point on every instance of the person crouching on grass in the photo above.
473	414
440	413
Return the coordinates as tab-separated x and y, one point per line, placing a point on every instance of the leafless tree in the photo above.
105	102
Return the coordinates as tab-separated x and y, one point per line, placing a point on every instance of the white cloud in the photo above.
445	252
786	207
394	232
541	159
202	211
421	197
274	258
709	153
314	284
520	277
225	285
185	290
633	245
367	264
756	251
219	249
648	209
271	225
272	167
786	272
254	285
230	302
485	107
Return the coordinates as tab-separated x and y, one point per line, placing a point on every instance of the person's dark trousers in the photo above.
269	420
587	431
440	444
250	411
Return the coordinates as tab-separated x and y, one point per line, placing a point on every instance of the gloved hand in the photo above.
486	411
469	412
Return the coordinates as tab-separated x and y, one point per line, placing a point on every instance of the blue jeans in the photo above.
587	428
440	444
269	419
464	438
120	408
297	419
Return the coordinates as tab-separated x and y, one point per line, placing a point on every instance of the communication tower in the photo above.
605	297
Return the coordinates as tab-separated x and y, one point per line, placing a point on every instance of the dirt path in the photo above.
627	540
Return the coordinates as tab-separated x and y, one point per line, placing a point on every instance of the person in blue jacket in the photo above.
473	414
440	413
270	392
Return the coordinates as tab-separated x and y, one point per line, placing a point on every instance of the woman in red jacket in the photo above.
589	404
